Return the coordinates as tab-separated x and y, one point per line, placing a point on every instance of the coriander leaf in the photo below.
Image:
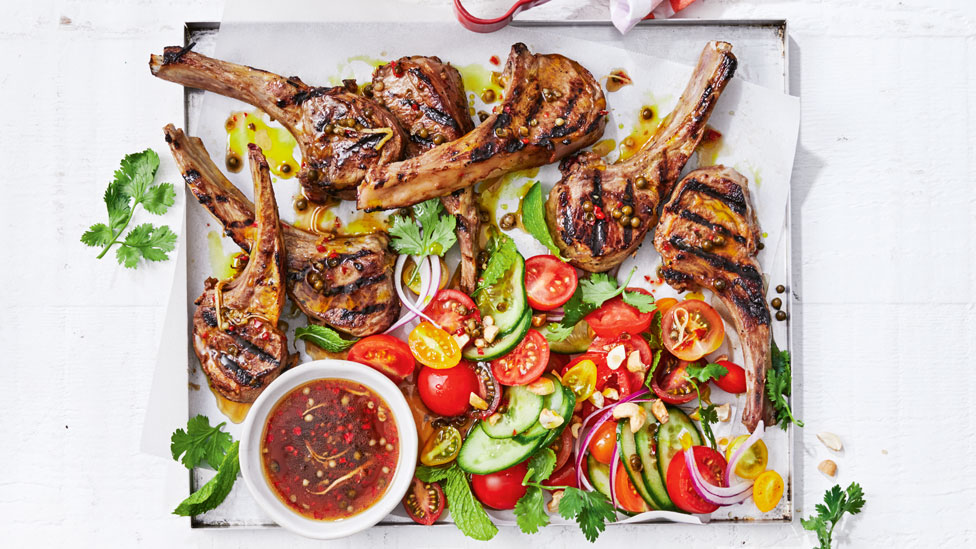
117	205
598	288
200	442
707	416
159	198
530	512
431	474
706	373
836	503
136	173
556	332
127	256
325	337
405	236
98	234
575	309
590	510
467	512
501	260
541	465
214	492
148	242
642	302
653	333
534	220
649	379
778	386
429	233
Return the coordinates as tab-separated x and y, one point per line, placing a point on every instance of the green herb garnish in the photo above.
201	442
503	256
131	187
427	233
836	503
534	220
325	337
778	387
699	375
598	289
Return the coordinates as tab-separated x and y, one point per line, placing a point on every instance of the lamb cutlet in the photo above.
341	134
426	96
708	237
235	326
342	282
551	107
599	213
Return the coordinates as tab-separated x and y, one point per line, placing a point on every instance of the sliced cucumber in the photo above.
599	475
631	462
577	342
647	452
480	454
669	438
521	412
559	402
504	343
505	301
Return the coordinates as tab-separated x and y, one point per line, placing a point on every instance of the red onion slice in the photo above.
757	435
427	289
704	488
585	436
614	463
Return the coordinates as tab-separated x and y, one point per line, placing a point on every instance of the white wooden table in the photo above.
884	201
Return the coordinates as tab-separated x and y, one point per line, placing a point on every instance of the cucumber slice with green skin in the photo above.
521	412
503	343
561	401
629	458
647	452
505	301
577	342
669	438
599	475
480	454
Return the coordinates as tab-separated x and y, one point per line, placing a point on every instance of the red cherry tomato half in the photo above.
627	496
451	309
447	391
733	382
424	501
616	317
549	282
671	383
563	447
564	476
621	379
500	490
603	442
681	489
385	353
557	361
692	329
525	363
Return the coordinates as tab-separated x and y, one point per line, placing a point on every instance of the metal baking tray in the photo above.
762	47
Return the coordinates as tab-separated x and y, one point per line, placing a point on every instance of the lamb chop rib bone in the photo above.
341	134
355	273
235	326
551	107
427	98
708	203
594	243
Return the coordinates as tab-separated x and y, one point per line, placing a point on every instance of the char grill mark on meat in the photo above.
240	347
551	107
709	203
360	266
596	244
427	98
341	134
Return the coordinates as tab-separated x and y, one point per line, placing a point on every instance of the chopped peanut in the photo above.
494	418
490	332
831	441
550	419
828	467
660	411
553	506
575	429
724	412
616	357
597	399
611	393
542	386
634	363
462	340
477	402
636	414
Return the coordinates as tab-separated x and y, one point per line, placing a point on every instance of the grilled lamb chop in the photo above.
580	208
340	133
427	97
708	237
345	282
235	326
551	107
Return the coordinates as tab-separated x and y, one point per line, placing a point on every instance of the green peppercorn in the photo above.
423	133
707	245
616	213
333	262
624	220
329	128
780	315
488	96
587	206
439	139
508	221
718	240
641	182
523	131
482	115
719	285
233	162
647	113
301	204
760	245
589	217
776	303
635	222
780	289
627	210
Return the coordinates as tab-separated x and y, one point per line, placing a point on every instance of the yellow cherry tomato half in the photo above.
665	303
434	347
581	379
753	461
767	491
442	446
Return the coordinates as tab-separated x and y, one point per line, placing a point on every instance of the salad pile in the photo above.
548	392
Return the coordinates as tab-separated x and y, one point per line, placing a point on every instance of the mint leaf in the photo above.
214	492
324	337
431	474
534	220
200	442
468	513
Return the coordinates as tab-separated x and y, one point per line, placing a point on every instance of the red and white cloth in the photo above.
626	13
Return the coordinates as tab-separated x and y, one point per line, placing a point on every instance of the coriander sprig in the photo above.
131	187
836	503
199	443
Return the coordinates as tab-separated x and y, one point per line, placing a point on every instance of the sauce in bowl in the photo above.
329	449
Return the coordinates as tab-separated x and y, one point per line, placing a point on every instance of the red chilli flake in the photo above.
320	248
297	430
349	436
494	60
604	112
598	212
